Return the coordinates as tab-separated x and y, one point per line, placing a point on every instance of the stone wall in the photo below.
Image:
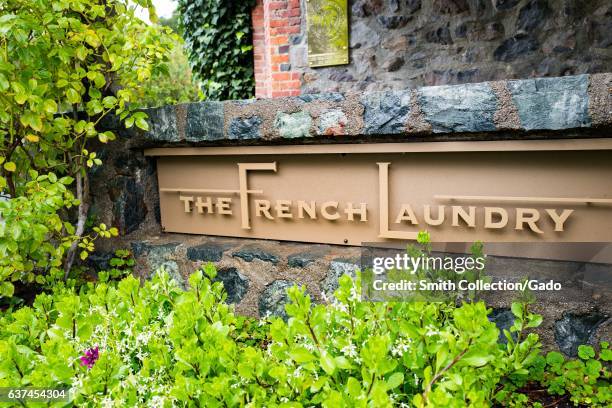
398	44
256	272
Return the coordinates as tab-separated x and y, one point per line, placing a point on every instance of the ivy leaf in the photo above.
32	138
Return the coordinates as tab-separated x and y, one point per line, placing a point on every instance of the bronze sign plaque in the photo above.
500	195
327	22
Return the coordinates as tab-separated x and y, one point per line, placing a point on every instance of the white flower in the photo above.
106	402
349	350
157	401
400	347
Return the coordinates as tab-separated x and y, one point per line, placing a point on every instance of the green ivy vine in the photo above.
218	39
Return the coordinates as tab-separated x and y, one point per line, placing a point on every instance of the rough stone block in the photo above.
245	128
251	253
332	122
293	125
204	121
575	329
458	108
337	268
162	124
552	103
386	112
236	284
207	252
302	259
273	299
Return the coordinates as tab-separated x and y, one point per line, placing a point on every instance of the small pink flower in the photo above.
90	357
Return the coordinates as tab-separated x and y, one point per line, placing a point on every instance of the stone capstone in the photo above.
245	128
386	112
575	329
236	284
163	124
332	122
249	254
293	125
552	103
459	108
273	299
204	121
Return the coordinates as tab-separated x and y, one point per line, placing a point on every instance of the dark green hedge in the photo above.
218	37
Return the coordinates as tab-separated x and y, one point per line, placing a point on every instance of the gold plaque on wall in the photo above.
327	22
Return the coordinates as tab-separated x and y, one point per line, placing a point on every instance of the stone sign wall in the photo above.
256	272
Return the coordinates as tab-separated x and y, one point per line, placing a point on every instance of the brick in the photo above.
279	40
280	94
295	75
280	58
276	5
295	92
283	49
285	30
281	76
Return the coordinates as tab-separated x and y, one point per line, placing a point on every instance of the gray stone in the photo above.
245	128
236	284
273	299
451	6
441	35
506	4
293	125
163	256
337	268
208	252
552	103
251	253
386	112
326	97
574	329
99	260
532	15
332	122
341	75
393	64
459	108
515	47
204	121
392	22
129	209
162	124
302	259
503	319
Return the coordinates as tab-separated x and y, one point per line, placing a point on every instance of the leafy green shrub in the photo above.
218	36
127	344
64	66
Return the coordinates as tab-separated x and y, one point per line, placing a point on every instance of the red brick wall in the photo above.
274	22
